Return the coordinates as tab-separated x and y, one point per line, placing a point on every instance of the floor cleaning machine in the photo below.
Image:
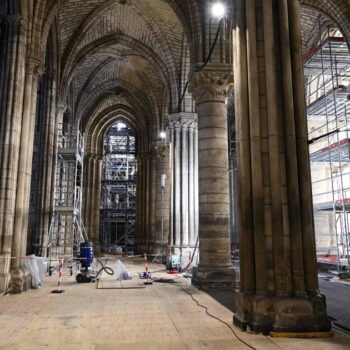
85	259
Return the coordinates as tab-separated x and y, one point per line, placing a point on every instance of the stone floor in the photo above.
160	316
336	290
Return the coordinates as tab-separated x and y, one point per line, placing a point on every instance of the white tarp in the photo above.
37	267
120	272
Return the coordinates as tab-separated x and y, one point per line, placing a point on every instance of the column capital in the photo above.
211	85
61	107
182	120
35	67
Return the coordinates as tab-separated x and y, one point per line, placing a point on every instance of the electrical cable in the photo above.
216	318
193	254
199	68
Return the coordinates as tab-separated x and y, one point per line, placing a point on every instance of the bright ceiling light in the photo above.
162	135
218	10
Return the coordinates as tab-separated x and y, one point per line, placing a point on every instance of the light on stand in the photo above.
162	134
218	10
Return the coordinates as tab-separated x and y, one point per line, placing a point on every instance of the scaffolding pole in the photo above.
118	209
327	73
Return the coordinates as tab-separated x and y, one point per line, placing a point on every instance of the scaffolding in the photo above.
118	209
327	74
67	230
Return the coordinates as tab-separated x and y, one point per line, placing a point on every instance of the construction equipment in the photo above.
86	259
67	230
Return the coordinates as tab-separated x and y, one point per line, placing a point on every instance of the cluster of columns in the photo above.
19	84
44	160
160	238
183	138
145	205
92	198
278	287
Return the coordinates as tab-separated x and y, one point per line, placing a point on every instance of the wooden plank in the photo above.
302	335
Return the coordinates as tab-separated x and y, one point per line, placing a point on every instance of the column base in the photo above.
5	275
21	280
157	248
264	314
215	278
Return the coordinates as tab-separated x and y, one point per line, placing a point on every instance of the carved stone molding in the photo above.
160	150
209	86
35	67
61	107
180	121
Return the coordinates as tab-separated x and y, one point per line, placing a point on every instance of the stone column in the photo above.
94	234
88	184
279	287
182	129
42	189
139	237
159	241
209	89
143	204
92	198
48	198
20	279
12	70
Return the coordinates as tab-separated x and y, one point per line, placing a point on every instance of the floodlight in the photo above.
162	134
120	126
218	10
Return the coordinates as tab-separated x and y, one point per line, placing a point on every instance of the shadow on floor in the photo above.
225	298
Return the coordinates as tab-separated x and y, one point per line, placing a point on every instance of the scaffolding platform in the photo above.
118	205
67	229
335	152
327	73
333	100
338	205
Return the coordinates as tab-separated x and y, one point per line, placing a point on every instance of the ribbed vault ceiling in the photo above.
134	48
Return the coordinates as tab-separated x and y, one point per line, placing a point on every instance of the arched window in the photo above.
118	211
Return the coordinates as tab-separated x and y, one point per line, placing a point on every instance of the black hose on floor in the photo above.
216	318
108	270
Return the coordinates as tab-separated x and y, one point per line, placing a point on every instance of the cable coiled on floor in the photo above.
108	270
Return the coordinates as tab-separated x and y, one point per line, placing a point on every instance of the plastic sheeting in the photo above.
37	268
120	272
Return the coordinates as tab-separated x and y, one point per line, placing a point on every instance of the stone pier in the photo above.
209	89
183	137
279	287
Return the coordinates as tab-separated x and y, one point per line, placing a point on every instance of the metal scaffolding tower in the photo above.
118	209
67	229
327	73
